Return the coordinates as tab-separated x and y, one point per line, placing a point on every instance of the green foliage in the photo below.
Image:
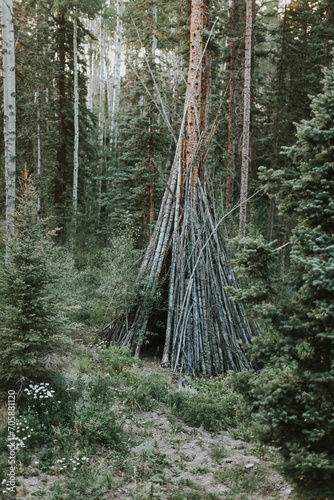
213	406
87	482
146	390
241	481
32	325
117	360
106	287
255	265
291	398
97	423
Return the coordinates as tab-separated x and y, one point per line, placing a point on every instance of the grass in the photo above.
95	433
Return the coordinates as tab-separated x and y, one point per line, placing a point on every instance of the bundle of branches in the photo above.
205	328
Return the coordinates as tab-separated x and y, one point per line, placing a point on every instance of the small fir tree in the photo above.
292	397
32	328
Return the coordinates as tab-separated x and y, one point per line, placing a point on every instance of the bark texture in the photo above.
118	65
246	125
232	109
9	97
76	117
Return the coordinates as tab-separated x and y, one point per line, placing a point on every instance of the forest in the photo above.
167	248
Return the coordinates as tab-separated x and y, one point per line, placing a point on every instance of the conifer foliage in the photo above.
293	395
31	325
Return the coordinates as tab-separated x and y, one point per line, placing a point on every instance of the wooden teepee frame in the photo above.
205	328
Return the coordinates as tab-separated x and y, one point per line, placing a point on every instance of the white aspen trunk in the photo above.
39	158
101	113
118	64
110	79
76	115
102	82
90	71
8	50
246	124
154	38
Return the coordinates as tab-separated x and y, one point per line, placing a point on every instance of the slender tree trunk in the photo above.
101	116
39	159
330	20
232	110
9	93
61	166
194	92
90	71
280	76
246	125
76	115
154	49
206	76
118	65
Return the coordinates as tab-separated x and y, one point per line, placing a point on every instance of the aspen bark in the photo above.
154	48
101	114
9	96
246	124
232	110
194	91
118	65
39	158
90	71
62	172
76	115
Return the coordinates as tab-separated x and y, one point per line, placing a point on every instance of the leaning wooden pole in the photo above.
205	330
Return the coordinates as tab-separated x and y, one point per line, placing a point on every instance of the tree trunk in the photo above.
76	115
206	76
246	125
101	117
62	165
118	65
39	160
330	20
151	161
194	92
9	96
231	138
90	71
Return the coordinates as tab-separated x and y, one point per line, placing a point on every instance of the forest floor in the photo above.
165	459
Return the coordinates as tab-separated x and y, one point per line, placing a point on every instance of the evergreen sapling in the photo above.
32	327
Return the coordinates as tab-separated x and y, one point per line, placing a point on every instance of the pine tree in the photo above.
293	396
31	325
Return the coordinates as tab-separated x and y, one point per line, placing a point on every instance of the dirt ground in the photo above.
170	460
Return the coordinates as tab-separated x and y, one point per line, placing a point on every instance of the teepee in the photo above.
206	331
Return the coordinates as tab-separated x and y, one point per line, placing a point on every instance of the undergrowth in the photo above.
72	428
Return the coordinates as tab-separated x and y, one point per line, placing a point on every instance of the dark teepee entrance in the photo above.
204	327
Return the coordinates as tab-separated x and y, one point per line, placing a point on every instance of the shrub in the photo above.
100	425
213	407
32	325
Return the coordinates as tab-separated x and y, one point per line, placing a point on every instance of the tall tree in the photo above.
9	96
118	65
246	126
292	402
231	140
194	93
76	114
